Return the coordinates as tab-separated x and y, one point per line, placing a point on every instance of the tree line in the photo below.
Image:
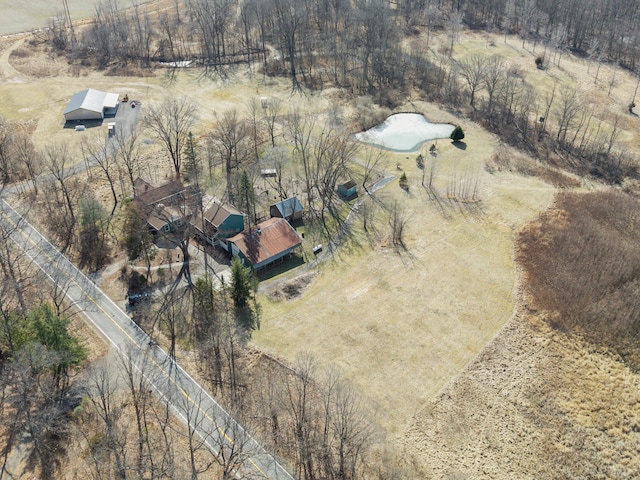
349	43
562	127
52	402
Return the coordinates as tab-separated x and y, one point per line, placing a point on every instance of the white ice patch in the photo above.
405	132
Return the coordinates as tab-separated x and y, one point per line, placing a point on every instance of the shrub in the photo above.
457	134
21	52
539	62
404	183
368	114
580	261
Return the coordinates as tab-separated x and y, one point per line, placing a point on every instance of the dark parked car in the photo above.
138	297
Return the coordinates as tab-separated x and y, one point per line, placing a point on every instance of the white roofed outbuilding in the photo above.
91	104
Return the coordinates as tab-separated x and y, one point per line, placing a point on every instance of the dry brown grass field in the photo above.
467	382
402	323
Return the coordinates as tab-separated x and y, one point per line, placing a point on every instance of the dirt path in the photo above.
9	73
14	467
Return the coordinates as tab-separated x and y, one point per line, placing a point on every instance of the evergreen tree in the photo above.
204	308
52	331
457	134
247	197
243	287
192	168
94	248
136	238
240	283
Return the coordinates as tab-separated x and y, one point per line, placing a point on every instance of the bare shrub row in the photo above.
581	261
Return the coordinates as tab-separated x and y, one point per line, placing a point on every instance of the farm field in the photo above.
466	381
26	16
35	14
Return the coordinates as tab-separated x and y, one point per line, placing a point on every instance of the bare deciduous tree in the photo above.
272	109
373	163
96	153
472	70
299	400
493	77
398	222
454	25
60	204
230	135
103	391
171	122
289	23
128	154
567	111
170	315
139	393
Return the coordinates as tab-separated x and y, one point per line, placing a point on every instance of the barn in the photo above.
91	104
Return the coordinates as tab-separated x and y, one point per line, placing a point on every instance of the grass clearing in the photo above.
36	14
561	71
412	320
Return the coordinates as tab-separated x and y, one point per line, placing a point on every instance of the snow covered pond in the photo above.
404	132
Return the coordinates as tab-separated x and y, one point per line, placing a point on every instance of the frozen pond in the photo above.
405	132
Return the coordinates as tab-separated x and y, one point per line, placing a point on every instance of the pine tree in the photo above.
247	197
243	287
240	283
94	248
457	134
192	167
52	331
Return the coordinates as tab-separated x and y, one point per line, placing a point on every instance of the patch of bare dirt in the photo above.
292	289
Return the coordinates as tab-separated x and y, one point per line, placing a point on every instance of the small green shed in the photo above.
348	190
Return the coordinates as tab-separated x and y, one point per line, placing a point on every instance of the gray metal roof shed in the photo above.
88	105
290	208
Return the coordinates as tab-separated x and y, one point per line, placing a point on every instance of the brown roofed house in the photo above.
267	243
166	208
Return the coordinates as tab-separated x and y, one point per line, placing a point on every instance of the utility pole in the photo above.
67	14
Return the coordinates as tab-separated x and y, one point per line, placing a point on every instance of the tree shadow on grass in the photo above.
460	144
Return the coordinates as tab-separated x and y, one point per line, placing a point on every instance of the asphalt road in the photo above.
215	427
126	119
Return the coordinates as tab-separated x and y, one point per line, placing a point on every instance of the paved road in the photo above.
126	120
214	426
